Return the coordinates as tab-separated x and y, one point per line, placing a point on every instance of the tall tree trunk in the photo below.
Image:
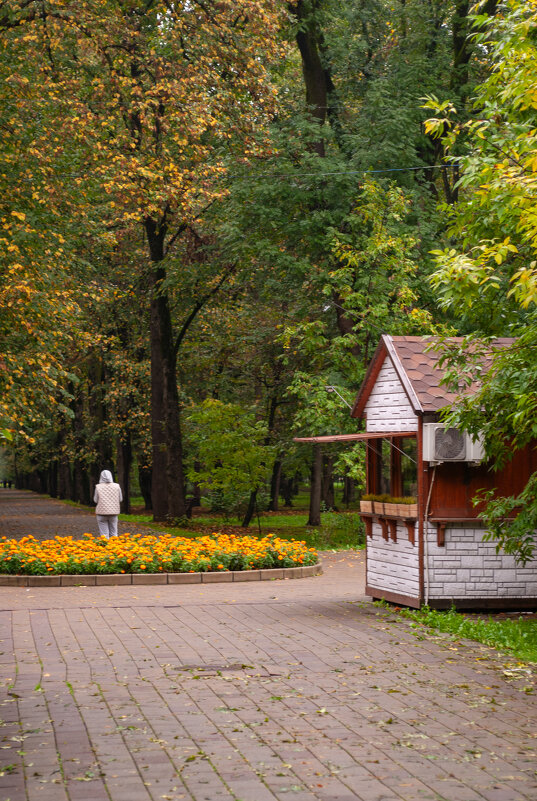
320	90
81	490
159	489
124	463
314	518
287	487
275	485
53	479
168	484
97	409
250	510
327	483
43	480
64	478
80	473
348	490
462	48
144	480
321	97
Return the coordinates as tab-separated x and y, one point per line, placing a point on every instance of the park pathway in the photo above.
23	512
291	689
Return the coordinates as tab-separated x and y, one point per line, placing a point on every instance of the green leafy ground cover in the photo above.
516	634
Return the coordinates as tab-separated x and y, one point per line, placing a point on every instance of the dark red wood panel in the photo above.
456	484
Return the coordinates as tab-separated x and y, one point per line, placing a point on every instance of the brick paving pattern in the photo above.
252	692
23	512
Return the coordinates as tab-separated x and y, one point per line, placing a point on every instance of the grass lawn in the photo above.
515	634
338	530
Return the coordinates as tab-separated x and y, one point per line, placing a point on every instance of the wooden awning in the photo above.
356	437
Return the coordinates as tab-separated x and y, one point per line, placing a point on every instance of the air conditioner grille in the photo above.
449	443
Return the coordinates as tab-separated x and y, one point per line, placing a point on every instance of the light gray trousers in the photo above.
107	525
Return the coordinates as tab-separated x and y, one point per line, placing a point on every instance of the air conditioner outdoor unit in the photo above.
441	444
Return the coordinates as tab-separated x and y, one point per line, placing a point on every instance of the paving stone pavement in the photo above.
292	689
23	512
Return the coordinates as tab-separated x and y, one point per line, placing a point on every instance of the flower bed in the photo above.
131	553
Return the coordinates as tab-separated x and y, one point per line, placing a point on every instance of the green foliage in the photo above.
489	276
492	277
230	457
502	408
113	118
502	402
318	407
351	462
518	636
374	270
339	531
234	500
512	521
370	284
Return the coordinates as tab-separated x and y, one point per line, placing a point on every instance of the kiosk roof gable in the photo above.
415	359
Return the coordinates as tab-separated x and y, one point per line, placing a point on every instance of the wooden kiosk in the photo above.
431	552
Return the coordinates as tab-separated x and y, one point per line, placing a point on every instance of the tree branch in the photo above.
197	307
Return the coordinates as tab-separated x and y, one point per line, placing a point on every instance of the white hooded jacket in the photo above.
107	495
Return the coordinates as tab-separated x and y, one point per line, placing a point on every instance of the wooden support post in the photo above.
411	531
384	526
368	523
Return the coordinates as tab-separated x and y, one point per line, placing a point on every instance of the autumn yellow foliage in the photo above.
131	553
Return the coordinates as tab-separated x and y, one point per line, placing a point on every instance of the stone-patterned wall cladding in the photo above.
388	408
393	566
467	567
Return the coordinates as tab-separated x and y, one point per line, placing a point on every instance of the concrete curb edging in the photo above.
108	579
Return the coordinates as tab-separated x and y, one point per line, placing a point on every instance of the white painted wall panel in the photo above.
393	566
387	408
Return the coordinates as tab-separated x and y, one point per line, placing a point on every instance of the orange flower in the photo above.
151	549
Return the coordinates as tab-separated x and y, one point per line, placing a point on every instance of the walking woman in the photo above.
107	496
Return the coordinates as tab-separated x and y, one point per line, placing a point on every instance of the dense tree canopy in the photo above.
211	211
489	272
154	100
